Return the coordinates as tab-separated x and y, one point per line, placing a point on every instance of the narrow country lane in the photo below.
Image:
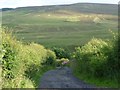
61	78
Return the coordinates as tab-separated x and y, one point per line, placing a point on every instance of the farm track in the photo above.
62	78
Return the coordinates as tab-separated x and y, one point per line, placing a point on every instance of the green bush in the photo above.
61	53
21	63
51	58
98	58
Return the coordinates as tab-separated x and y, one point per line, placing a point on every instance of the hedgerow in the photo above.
99	58
19	59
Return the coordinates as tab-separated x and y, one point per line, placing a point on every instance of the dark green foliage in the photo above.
8	61
51	58
61	53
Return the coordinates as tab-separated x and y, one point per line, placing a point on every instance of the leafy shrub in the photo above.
97	58
51	57
61	53
9	60
21	62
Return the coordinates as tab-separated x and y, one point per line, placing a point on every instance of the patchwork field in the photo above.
61	28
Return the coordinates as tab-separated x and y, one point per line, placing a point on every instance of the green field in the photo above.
60	28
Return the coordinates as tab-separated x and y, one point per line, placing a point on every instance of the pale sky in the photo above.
23	3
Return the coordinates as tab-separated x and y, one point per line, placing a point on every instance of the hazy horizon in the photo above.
27	3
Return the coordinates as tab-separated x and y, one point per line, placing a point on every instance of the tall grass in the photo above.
22	63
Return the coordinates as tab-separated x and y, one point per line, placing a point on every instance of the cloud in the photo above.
19	3
30	2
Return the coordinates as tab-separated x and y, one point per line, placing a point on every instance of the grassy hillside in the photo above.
62	26
78	7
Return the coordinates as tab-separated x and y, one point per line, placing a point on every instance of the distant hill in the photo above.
6	9
62	25
78	7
